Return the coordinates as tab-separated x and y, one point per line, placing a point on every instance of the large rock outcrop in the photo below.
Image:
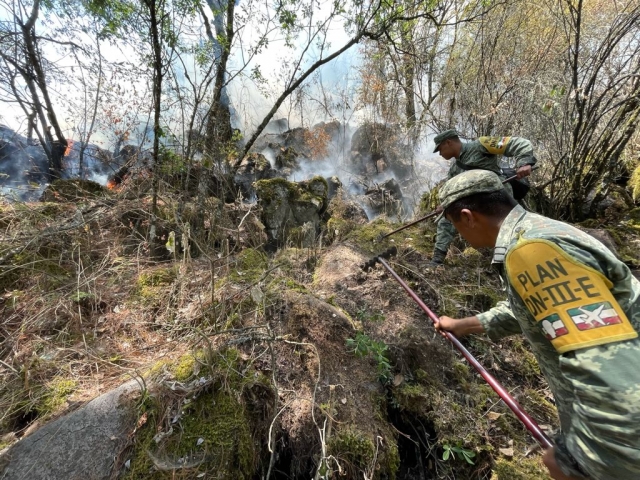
254	167
376	148
384	199
292	211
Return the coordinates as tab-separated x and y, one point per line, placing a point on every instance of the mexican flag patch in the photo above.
594	316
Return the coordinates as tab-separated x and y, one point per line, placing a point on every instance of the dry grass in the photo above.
84	308
80	301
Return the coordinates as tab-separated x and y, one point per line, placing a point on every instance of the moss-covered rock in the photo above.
429	201
253	168
292	211
250	266
287	157
367	237
214	432
151	285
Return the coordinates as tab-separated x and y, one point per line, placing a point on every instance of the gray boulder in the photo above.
385	198
376	148
84	445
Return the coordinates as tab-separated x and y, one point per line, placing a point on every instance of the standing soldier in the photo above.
480	154
579	308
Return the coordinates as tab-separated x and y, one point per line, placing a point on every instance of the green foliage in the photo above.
113	15
365	315
463	453
78	296
170	161
362	345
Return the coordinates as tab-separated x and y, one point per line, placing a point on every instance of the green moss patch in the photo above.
158	277
519	468
30	267
214	433
151	286
56	394
250	266
354	451
182	369
367	237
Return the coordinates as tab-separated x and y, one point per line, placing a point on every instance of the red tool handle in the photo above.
511	402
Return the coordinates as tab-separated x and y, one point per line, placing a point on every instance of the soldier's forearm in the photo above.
467	326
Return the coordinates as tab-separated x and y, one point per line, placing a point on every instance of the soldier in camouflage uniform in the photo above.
579	308
479	154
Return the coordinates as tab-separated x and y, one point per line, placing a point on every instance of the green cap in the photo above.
442	136
469	183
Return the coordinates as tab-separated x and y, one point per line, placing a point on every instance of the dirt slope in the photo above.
296	364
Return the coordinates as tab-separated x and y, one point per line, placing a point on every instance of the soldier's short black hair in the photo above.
493	204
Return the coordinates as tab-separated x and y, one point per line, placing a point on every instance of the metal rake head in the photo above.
372	262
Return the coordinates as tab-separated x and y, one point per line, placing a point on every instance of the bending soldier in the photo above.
479	154
579	308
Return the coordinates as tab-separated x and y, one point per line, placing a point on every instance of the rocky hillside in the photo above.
249	347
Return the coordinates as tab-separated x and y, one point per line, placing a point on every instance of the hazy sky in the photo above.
249	103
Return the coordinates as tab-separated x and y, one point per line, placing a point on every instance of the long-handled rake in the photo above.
517	409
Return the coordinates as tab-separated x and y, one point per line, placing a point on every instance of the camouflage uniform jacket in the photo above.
483	154
579	307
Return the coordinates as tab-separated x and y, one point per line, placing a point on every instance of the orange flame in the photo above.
112	185
69	147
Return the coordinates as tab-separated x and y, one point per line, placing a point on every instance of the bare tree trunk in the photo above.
31	125
218	131
59	144
409	84
85	141
155	9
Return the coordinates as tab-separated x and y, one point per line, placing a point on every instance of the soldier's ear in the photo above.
467	218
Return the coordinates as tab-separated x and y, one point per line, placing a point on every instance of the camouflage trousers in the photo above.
444	236
447	232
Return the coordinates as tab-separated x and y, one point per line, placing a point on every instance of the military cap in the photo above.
469	183
442	136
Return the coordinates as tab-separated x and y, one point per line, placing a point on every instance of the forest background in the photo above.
182	76
178	277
